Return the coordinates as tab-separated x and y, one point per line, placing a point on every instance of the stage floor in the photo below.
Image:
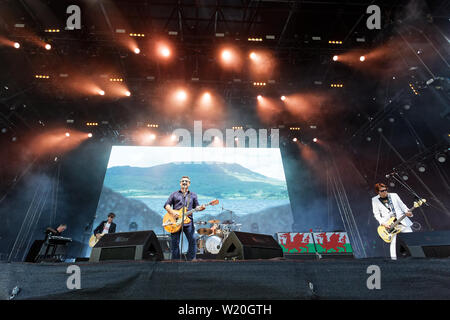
280	279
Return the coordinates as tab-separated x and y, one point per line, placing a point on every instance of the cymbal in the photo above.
214	221
204	231
228	222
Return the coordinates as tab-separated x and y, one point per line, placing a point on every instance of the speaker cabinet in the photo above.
432	244
140	245
244	245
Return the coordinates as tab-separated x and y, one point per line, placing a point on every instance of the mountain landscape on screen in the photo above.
210	180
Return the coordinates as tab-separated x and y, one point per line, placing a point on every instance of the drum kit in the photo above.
210	239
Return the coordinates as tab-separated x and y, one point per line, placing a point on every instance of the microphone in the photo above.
390	174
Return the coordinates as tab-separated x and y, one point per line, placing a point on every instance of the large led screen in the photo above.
248	182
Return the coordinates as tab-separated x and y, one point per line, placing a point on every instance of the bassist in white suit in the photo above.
386	205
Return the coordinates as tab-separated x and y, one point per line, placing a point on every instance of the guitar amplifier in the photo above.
139	245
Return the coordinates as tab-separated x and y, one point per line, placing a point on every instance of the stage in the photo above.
274	279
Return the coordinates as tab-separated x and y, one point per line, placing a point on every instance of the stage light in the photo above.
295	139
173	137
127	93
16	45
441	157
165	52
315	139
152	136
67	134
226	55
253	56
335	58
101	92
137	50
259	97
421	167
48	46
90	135
362	58
181	95
283	98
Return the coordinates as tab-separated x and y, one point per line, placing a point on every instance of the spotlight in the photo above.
67	134
137	50
16	45
441	157
165	52
283	98
90	135
253	56
421	167
362	58
48	46
226	55
315	139
335	58
152	136
127	93
101	92
259	97
173	137
181	95
295	139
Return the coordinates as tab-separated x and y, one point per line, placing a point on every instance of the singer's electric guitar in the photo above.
172	224
387	233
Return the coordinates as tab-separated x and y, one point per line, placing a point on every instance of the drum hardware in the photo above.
214	221
205	231
201	222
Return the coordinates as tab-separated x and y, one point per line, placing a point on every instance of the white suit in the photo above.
383	214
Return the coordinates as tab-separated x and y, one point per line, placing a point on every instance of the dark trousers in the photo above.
192	250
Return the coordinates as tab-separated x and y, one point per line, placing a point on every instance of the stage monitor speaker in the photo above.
430	244
139	245
245	245
165	243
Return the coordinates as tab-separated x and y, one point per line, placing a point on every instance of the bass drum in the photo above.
213	244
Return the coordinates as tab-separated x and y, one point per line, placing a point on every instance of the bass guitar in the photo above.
93	240
172	224
387	233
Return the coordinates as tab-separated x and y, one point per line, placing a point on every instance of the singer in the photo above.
177	200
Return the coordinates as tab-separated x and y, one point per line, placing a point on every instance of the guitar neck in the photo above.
193	210
403	216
